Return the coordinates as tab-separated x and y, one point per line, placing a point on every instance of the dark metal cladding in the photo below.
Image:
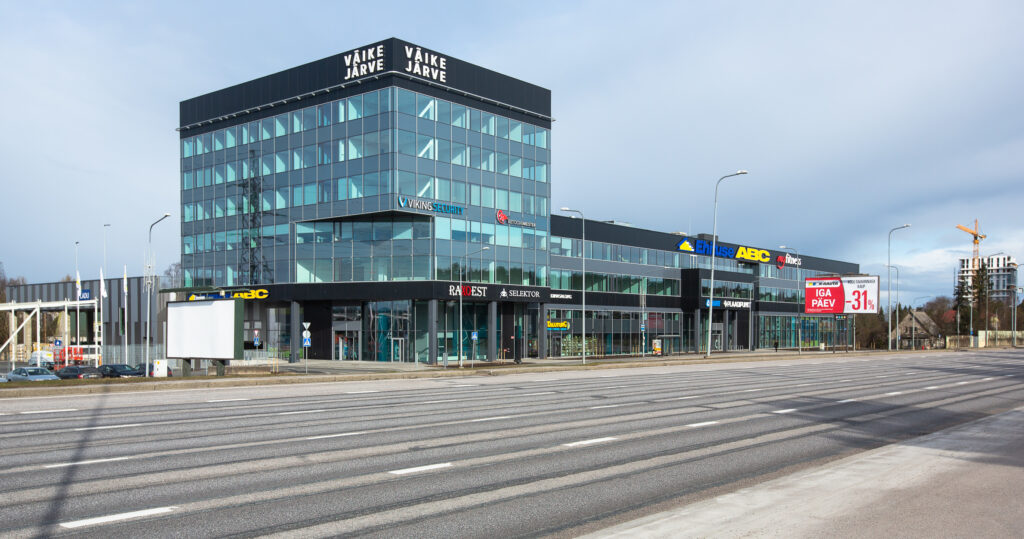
527	99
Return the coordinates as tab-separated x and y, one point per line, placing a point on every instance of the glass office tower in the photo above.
357	192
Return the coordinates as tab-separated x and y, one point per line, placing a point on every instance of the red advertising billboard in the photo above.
841	295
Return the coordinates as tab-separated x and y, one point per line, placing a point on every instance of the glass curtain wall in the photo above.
612	332
815	332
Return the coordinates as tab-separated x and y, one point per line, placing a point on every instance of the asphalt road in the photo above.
557	454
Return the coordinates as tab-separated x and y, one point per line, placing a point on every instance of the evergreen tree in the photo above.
962	304
981	292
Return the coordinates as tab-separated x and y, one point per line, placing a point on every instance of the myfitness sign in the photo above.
752	254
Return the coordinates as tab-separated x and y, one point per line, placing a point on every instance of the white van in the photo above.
41	359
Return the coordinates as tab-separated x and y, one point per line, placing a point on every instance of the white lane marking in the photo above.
882	376
110	427
786	411
801	385
438	402
985	379
588	442
932	387
847	400
495	418
702	424
361	392
751	390
847	380
301	412
66	464
463	385
546	380
119	516
610	387
962	383
50	411
421	468
322	436
227	400
678	398
894	393
606	406
535	394
607	376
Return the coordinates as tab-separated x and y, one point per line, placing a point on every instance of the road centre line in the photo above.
361	392
110	427
848	400
606	406
894	393
589	442
83	462
495	418
786	411
117	517
339	435
421	468
702	424
536	394
437	402
50	411
463	385
932	387
227	400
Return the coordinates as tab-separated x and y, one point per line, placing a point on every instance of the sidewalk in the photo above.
967	481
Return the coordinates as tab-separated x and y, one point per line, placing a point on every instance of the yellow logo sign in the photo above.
558	325
752	254
685	246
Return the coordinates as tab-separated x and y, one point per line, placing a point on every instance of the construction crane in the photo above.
977	237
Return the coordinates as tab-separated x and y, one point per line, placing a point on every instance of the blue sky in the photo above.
852	117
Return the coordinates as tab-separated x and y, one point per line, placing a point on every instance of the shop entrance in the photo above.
347	342
397	348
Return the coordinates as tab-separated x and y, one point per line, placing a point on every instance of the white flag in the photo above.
78	286
125	280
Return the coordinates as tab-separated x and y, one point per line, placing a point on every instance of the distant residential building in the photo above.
1002	275
918	330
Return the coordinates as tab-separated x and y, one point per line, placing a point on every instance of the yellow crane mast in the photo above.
977	237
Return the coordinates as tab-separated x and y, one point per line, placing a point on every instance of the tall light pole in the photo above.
150	260
888	291
799	312
714	247
913	323
897	308
78	307
104	274
583	255
462	270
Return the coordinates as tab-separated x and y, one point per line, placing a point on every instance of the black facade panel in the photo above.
333	71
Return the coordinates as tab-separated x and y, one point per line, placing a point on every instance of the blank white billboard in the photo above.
201	329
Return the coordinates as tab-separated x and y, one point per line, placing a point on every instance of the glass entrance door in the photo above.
346	345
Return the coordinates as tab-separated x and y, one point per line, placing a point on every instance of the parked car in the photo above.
78	372
142	369
30	374
119	371
41	358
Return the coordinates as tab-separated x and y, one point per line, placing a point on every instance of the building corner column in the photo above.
432	332
542	331
492	331
295	328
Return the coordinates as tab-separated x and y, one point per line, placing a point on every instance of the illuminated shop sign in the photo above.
559	295
782	260
425	64
703	247
519	293
430	205
504	219
363	62
467	291
728	303
257	293
558	326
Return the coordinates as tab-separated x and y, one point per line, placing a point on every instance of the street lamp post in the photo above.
583	255
714	247
888	291
149	287
897	308
462	270
78	307
104	274
799	316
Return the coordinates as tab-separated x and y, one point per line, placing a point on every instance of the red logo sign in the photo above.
780	261
501	217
